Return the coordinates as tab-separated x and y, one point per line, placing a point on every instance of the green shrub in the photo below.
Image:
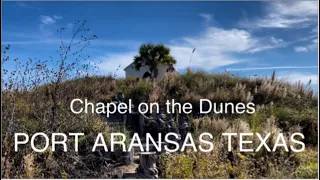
309	171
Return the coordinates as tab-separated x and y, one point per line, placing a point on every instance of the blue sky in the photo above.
245	38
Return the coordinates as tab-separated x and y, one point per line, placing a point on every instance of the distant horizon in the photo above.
255	38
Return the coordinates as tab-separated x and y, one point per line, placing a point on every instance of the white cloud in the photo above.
261	48
110	63
21	4
311	47
296	14
315	29
57	17
202	58
271	44
47	19
301	49
272	68
280	22
223	40
215	48
295	77
275	40
26	5
207	17
314	45
70	25
294	8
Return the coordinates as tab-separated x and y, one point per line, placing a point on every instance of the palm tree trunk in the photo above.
154	73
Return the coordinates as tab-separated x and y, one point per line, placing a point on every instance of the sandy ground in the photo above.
128	171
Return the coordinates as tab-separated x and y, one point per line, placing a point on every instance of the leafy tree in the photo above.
151	55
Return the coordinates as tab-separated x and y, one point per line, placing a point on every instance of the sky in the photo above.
244	38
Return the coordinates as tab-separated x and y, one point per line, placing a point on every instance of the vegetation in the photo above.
151	55
29	111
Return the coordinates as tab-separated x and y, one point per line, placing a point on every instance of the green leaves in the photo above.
151	55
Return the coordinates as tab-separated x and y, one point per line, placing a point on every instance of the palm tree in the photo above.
151	55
